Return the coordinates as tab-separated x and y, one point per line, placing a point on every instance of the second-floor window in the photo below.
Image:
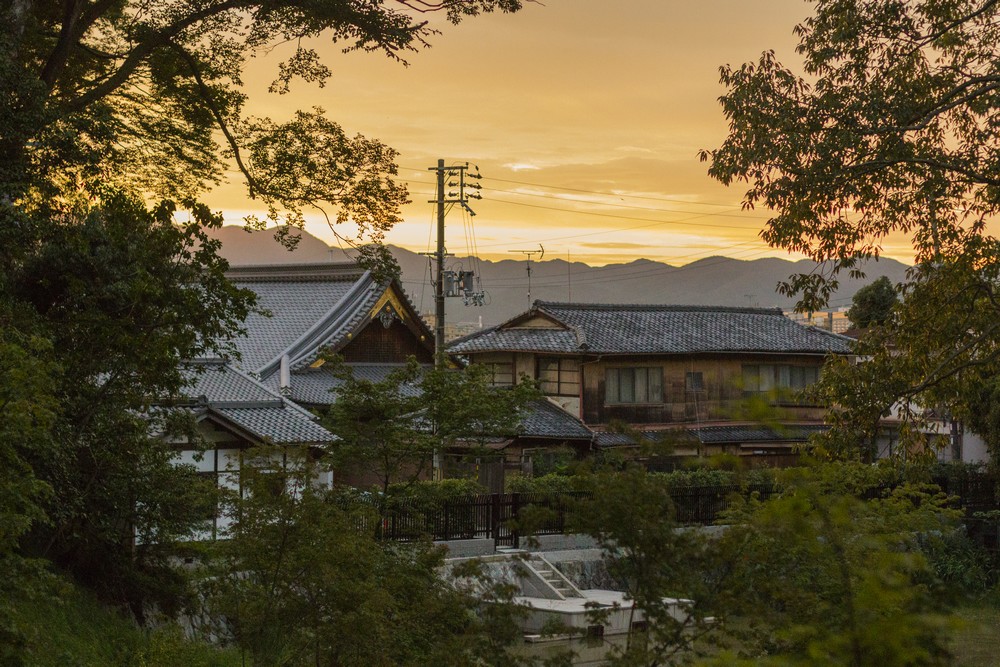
501	373
762	378
633	385
694	381
558	376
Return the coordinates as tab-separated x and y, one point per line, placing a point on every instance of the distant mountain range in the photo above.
715	281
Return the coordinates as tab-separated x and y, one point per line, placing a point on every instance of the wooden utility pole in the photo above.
439	278
461	197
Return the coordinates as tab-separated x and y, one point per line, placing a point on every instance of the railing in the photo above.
507	517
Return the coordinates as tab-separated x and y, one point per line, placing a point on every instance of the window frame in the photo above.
694	382
645	380
567	376
794	378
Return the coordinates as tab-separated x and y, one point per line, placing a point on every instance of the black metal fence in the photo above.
499	516
507	517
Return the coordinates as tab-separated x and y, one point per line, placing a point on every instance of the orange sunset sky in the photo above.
584	117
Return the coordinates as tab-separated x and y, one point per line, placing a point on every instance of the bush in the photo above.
551	483
959	563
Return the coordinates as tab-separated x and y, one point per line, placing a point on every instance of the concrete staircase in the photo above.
547	572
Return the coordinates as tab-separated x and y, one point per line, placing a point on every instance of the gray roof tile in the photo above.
312	308
217	381
294	308
280	426
217	386
643	329
316	386
542	419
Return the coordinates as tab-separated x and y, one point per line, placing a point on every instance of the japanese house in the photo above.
683	372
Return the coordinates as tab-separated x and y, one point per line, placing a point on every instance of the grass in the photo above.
977	642
64	625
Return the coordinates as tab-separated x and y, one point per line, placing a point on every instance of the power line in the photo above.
722	214
653	222
598	192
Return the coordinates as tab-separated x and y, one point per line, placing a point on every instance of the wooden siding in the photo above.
378	344
719	400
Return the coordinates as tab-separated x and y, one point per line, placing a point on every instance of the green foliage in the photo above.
443	489
630	514
551	483
59	624
120	294
818	574
964	567
391	428
887	133
379	427
140	95
28	410
580	480
873	304
429	495
299	581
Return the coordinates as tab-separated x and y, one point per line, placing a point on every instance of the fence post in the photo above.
495	511
515	515
447	523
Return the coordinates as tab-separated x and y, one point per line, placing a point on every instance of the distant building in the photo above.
835	321
453	330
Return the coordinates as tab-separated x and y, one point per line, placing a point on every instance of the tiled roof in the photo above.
735	433
217	387
278	425
542	419
798	433
316	386
642	329
312	308
219	382
309	306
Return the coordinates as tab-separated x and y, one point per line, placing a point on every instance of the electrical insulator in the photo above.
467	282
448	284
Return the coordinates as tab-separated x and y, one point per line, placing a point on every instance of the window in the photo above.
763	378
559	377
694	381
633	385
502	373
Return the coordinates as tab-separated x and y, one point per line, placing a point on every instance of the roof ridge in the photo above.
335	315
315	271
544	305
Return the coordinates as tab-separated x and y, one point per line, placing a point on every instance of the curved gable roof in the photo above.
312	307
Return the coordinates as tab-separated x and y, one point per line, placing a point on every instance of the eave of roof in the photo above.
755	434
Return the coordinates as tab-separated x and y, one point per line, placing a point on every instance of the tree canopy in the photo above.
147	95
389	429
891	129
872	304
115	115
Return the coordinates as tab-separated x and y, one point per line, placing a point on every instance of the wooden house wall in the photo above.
378	344
719	400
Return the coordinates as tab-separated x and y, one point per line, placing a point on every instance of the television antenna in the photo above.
528	256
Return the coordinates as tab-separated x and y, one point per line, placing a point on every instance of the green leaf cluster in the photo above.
820	575
149	97
392	427
889	132
299	582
